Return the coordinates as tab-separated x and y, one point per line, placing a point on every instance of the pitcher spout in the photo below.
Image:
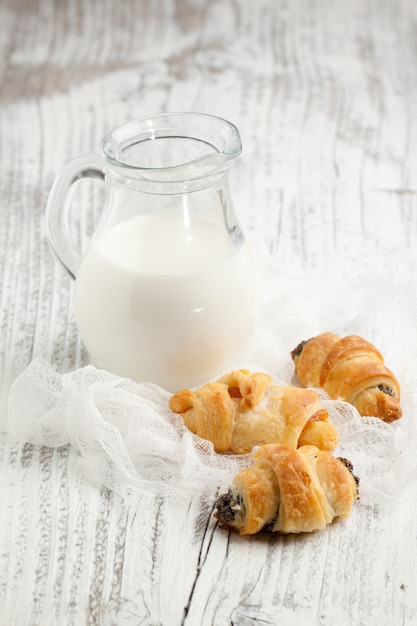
178	148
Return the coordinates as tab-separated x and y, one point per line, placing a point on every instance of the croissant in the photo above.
288	491
242	410
352	369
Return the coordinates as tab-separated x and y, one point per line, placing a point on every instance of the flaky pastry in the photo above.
288	491
352	369
242	410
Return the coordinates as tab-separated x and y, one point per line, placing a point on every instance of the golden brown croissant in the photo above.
242	410
352	369
288	491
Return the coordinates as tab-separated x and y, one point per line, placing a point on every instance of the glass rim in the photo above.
174	125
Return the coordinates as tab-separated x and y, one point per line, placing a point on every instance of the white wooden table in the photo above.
324	94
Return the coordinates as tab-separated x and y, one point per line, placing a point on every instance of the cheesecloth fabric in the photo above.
129	441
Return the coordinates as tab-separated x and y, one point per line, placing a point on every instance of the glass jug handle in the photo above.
58	207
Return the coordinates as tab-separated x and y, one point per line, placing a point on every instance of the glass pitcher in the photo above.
167	290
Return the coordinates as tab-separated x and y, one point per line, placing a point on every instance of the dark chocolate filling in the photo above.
228	506
349	466
298	350
388	390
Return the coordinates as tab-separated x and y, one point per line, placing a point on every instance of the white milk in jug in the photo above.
159	298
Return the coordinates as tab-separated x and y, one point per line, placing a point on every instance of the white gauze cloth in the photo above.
129	441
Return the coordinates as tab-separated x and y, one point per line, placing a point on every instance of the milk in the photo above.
165	297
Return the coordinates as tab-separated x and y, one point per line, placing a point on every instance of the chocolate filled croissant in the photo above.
242	410
288	491
352	369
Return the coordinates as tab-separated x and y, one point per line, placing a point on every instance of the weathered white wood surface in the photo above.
324	93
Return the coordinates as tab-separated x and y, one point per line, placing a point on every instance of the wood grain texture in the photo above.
324	93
